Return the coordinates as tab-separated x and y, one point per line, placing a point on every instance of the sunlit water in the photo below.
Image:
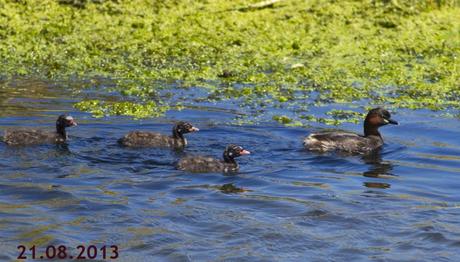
402	204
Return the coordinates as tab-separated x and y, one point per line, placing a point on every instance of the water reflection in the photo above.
63	149
378	168
31	97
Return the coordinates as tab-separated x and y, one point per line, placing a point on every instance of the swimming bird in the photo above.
153	139
200	164
25	136
348	142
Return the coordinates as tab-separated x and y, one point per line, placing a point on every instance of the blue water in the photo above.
400	204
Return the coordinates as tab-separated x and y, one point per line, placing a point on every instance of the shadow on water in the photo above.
285	204
378	168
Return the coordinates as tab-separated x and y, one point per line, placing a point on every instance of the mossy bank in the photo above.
292	54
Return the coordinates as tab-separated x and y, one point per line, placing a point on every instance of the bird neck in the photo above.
180	136
177	134
60	130
228	159
371	130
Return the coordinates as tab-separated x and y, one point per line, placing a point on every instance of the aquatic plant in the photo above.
293	54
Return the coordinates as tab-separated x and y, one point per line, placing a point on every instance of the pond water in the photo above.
400	204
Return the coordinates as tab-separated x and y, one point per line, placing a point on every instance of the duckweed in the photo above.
137	110
294	54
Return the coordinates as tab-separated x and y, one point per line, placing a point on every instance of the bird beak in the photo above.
194	129
391	121
245	152
73	123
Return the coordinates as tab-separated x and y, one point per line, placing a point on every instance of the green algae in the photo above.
294	55
101	108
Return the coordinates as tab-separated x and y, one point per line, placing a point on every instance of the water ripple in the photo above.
289	204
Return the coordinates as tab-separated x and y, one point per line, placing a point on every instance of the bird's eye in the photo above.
386	114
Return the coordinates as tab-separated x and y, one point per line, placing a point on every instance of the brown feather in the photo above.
31	137
150	139
341	141
205	164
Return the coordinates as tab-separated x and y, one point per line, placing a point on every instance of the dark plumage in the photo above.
200	164
151	139
26	136
348	142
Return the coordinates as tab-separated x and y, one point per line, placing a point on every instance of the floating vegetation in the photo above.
290	54
102	108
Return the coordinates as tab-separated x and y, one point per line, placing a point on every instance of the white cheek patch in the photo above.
68	118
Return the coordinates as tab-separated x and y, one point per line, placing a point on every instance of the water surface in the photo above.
400	204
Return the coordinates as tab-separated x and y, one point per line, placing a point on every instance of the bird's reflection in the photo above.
378	168
62	149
